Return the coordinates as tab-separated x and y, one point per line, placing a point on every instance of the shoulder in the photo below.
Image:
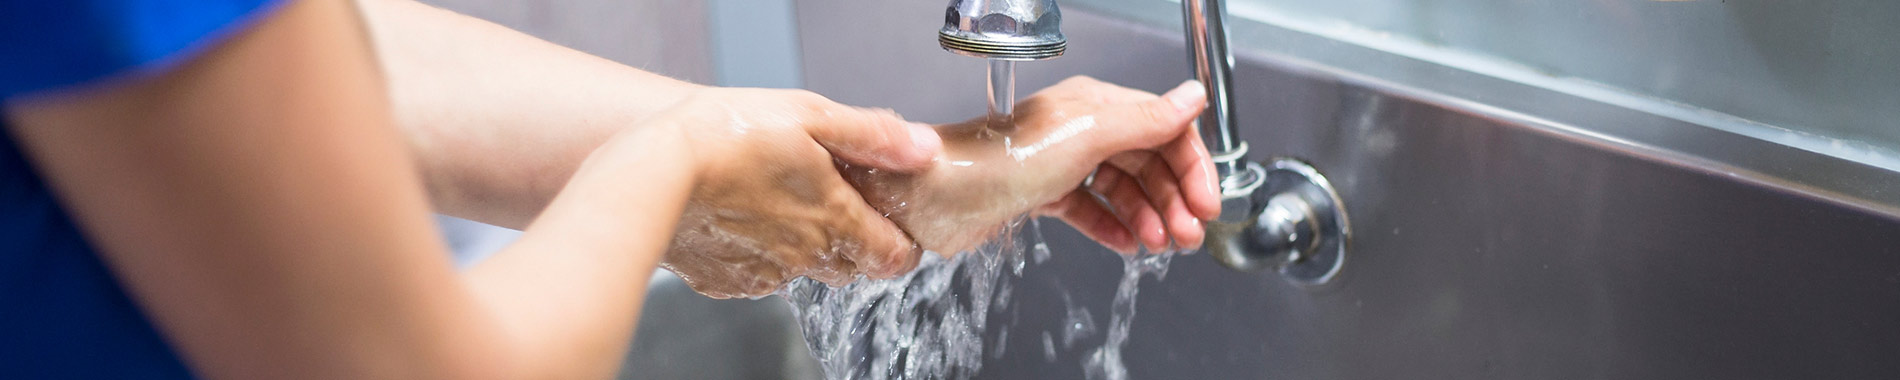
51	44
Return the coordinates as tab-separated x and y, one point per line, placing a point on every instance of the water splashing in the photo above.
927	324
1105	363
930	323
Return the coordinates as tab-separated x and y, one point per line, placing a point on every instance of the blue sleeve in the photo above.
49	44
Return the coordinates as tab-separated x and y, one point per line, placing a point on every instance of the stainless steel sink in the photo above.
1502	229
684	335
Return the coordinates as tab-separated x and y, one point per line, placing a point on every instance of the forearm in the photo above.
499	120
569	291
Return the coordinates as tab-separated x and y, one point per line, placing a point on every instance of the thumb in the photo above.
1153	122
876	138
879	248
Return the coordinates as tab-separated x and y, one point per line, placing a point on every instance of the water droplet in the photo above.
930	323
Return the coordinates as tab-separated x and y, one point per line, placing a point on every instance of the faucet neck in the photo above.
1213	66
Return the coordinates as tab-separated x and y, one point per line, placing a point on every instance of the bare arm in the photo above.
498	119
261	206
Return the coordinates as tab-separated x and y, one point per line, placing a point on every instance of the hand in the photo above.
769	205
1150	167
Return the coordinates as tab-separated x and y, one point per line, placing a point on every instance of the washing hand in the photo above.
1150	167
769	205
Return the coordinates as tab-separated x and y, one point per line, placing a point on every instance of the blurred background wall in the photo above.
663	36
750	43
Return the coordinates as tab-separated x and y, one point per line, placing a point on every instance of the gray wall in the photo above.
747	43
668	37
725	42
663	36
754	43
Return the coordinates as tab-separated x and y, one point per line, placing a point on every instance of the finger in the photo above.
1186	155
1110	93
831	268
1163	191
1188	158
873	244
1080	209
874	137
1084	87
887	251
1129	204
1153	122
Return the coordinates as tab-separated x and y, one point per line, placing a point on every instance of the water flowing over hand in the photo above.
769	204
1153	181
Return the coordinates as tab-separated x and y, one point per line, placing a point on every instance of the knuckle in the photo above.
1156	113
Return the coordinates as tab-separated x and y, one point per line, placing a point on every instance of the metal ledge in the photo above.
1852	175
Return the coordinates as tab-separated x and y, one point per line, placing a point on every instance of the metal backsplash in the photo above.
1503	229
1819	75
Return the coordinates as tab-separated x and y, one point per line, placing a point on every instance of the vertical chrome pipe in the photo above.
1293	223
1213	66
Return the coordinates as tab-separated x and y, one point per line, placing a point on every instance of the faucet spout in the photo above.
1004	32
1013	30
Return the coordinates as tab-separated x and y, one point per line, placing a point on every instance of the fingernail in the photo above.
925	138
1213	179
1188	96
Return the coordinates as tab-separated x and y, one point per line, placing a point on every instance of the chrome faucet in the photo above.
1003	31
1213	66
1283	215
1013	30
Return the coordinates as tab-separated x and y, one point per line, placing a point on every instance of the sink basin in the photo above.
684	335
1502	229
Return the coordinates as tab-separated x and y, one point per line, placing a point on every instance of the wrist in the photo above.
636	174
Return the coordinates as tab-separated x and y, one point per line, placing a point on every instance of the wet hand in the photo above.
1153	181
769	203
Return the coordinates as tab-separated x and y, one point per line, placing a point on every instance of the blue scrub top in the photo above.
62	313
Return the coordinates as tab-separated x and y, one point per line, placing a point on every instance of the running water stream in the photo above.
1002	90
931	323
